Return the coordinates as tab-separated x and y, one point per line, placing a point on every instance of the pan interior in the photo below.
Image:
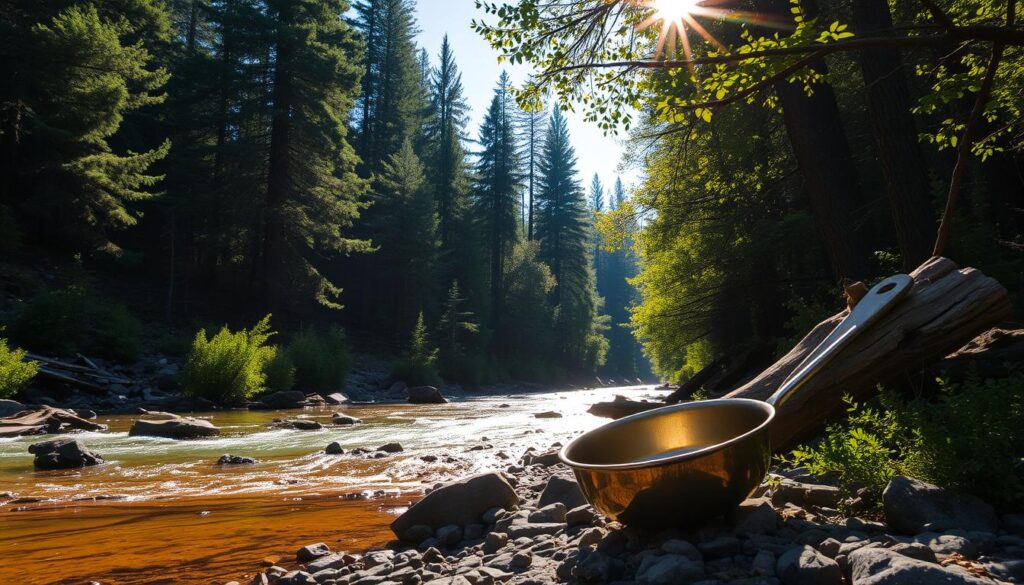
668	432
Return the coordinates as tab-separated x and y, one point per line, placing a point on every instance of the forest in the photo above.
209	162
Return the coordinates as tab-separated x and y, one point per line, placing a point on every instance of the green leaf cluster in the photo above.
228	367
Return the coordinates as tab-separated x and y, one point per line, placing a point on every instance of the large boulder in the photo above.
563	490
63	454
9	407
336	398
280	400
879	566
806	566
460	503
172	426
426	395
913	506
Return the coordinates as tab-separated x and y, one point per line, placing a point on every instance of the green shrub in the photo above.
228	367
76	320
280	372
418	366
15	372
971	437
321	360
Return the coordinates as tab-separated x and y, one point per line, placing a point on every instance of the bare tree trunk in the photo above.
903	164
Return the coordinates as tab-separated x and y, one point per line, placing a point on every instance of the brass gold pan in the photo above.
683	464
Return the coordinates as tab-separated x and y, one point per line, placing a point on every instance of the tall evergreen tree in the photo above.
564	231
596	194
72	73
312	192
532	128
498	183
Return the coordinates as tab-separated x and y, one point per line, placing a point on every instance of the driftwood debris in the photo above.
88	376
947	308
45	419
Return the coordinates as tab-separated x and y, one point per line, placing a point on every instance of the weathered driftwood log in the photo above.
44	420
946	308
989	355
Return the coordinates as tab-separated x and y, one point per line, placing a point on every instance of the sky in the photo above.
479	66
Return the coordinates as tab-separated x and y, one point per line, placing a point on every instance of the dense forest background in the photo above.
211	161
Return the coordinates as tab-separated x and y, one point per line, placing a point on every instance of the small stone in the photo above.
591	536
473	531
548	414
806	566
418	533
491	515
551	513
334	448
805	494
425	395
669	569
723	546
763	563
915	550
391	448
495	541
235	460
531	530
297	578
561	489
675	546
829	547
755	516
312	552
449	535
580	516
521	560
344	419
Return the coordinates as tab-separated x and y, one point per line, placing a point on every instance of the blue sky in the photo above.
480	69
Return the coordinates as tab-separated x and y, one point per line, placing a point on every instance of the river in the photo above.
161	511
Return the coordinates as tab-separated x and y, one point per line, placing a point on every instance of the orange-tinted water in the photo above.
178	518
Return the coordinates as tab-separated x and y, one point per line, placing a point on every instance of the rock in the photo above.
599	568
879	566
531	530
336	398
495	541
63	454
755	516
548	414
806	566
563	490
425	395
545	459
344	419
805	494
521	560
551	513
449	535
913	506
282	400
311	552
330	561
944	545
915	550
1013	523
391	448
235	460
829	547
669	569
334	448
473	531
580	516
763	563
721	547
296	578
299	424
460	502
10	407
675	546
1011	570
172	426
591	536
418	533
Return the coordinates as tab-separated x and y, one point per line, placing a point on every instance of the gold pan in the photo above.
683	464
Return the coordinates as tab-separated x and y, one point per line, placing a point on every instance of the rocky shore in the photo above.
529	524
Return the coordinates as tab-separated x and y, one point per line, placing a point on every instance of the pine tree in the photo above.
405	228
596	194
454	325
312	192
498	182
418	366
532	126
564	231
72	75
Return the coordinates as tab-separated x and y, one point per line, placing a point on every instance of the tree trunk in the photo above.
903	164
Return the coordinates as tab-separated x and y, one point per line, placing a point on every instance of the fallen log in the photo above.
990	355
45	419
947	308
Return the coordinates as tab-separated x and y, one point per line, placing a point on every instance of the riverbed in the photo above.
162	511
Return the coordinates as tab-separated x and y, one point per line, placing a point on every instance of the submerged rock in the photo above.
391	448
344	419
172	426
548	414
426	395
63	454
334	448
300	424
235	460
913	506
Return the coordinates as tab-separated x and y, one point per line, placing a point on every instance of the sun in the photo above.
673	11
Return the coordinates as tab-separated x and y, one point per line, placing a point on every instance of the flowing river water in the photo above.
161	511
